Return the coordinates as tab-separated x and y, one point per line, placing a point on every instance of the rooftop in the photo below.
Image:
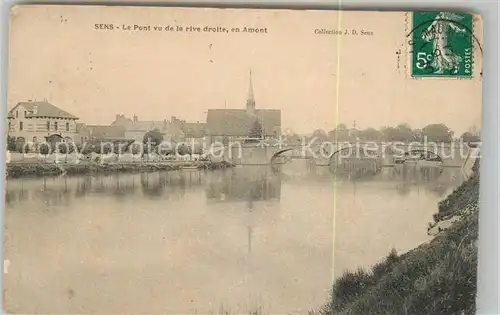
194	129
99	131
238	122
37	109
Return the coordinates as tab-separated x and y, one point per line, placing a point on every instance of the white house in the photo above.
32	121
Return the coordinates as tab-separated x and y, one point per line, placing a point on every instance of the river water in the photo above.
235	240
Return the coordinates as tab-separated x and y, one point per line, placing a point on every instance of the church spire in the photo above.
250	97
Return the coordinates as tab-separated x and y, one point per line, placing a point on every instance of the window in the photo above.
25	114
17	114
55	126
67	126
10	124
34	139
20	125
48	125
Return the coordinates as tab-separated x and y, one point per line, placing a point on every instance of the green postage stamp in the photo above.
442	44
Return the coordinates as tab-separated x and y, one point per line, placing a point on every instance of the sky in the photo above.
317	81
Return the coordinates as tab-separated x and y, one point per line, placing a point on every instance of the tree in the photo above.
320	134
53	140
400	133
87	148
370	134
340	133
341	127
151	140
20	145
135	149
11	143
389	133
194	148
103	148
404	133
468	137
184	149
437	133
62	148
44	148
166	148
255	131
291	136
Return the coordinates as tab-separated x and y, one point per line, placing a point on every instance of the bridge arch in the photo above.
363	152
278	153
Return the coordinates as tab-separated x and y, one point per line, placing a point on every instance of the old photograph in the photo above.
169	160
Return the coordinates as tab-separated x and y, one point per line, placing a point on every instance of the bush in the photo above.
135	149
44	148
20	147
350	286
153	137
11	143
435	278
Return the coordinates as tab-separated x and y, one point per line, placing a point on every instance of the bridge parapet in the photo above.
453	154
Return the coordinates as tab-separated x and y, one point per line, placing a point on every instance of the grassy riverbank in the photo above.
438	277
52	169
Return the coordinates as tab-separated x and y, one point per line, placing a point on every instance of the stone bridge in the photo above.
451	154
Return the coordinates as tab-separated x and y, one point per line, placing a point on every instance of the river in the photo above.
190	242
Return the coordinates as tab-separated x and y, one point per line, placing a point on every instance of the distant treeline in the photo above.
403	132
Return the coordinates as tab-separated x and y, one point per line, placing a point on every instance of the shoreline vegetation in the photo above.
21	170
438	277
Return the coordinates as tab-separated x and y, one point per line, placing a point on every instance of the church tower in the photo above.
250	97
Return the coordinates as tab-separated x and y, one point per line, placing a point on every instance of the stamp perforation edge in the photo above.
410	32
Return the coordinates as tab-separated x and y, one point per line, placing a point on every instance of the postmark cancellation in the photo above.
442	45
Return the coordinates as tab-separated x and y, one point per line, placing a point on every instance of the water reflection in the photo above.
153	185
433	180
83	186
50	192
61	190
197	240
241	185
247	187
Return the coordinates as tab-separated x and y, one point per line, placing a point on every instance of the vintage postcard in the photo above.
169	160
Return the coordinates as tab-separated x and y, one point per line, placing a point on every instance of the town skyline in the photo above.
128	73
473	129
201	117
